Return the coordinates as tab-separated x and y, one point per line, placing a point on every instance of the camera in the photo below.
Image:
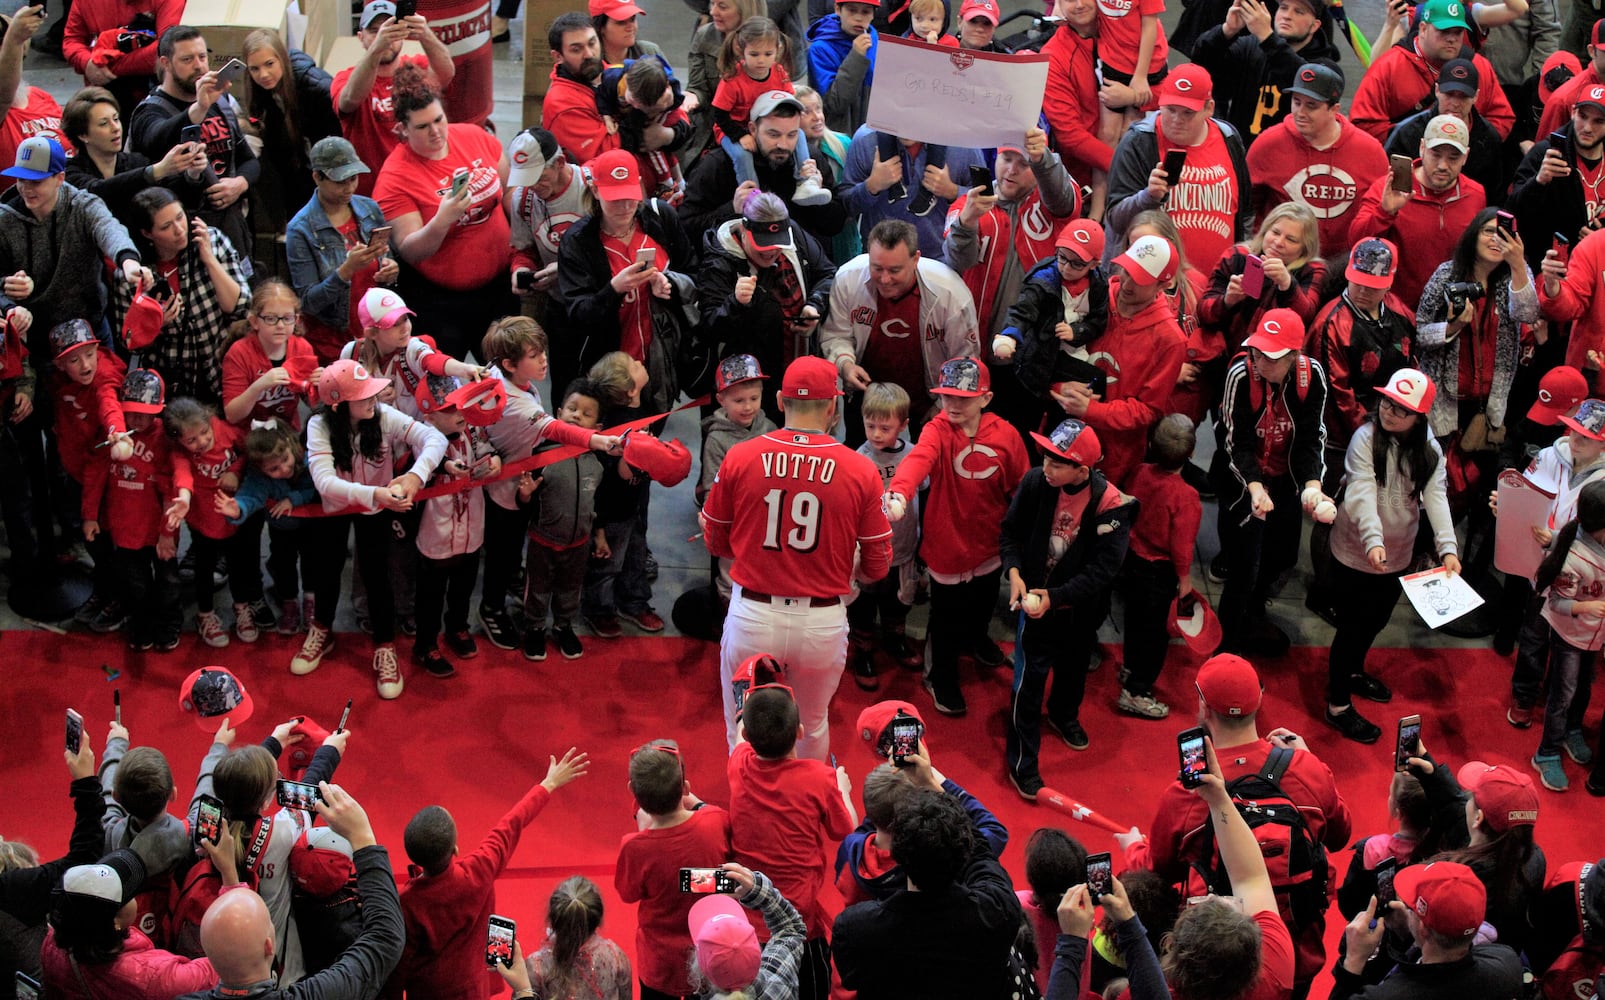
1458	293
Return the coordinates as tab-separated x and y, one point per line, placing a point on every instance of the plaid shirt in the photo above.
777	973
189	351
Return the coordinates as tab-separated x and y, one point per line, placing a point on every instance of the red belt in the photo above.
813	602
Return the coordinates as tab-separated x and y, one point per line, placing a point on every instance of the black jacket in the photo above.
1488	972
284	161
1542	210
25	892
1252	77
1088	568
1485	164
1245	398
129	177
1136	157
712	184
1034	319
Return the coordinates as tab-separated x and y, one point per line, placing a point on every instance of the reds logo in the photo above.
863	316
895	329
1115	8
1111	367
1328	190
961	462
961	60
1182	84
1037	225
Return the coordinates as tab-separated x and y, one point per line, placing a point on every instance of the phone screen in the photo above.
1175	162
208	820
298	794
27	987
1100	875
1385	870
905	740
1253	276
499	941
75	732
1405	748
1194	763
701	881
459	180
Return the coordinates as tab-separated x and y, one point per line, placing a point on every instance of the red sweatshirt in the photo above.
1285	167
1558	109
1402	81
1579	300
246	362
446	914
1070	102
88	18
136	492
1171	513
1426	228
86	414
648	872
226	457
972	480
1142	357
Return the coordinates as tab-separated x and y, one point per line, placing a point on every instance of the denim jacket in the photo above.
316	251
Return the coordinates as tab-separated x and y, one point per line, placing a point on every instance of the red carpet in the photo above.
475	742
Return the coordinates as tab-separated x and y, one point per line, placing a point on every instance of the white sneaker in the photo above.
1144	705
211	629
389	671
809	193
318	642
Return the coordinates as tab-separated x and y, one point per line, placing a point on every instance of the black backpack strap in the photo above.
1276	765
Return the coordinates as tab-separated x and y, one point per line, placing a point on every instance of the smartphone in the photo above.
190	133
1562	247
499	941
1561	143
1401	168
381	234
343	717
1100	876
43	10
1384	871
75	732
27	987
1409	735
231	72
298	794
459	180
646	257
406	8
524	280
1506	221
208	820
1254	276
702	881
1175	160
982	178
905	739
1194	762
117	706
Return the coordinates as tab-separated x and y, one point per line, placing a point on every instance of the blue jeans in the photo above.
743	159
1571	674
619	582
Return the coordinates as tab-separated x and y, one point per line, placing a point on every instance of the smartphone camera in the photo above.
1194	763
524	280
190	133
1405	748
1385	871
75	732
980	177
208	821
499	936
905	739
702	881
1100	876
298	794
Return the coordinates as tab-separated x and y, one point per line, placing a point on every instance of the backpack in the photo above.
200	887
1295	858
1578	972
323	896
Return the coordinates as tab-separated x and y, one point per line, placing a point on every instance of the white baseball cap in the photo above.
1149	260
1446	130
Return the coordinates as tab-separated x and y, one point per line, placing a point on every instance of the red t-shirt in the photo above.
1172	513
737	94
784	816
892	352
635	312
371	128
224	457
1276	958
1275	432
40	116
478	247
1592	177
1120	34
1204	205
1476	369
246	362
648	872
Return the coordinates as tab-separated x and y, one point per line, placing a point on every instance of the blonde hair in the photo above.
919	8
14	855
1301	214
611	373
885	399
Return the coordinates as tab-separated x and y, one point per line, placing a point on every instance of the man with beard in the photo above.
712	196
1458	84
569	110
1257	54
1399	82
191	94
1557	193
362	93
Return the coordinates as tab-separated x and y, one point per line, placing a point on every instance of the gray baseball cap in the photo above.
337	159
373	9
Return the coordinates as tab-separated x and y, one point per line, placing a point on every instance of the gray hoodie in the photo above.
163	842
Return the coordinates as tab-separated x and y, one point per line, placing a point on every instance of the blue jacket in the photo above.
259	492
872	208
828	48
850	854
316	250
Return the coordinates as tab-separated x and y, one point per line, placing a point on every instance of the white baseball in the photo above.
1326	512
1032	603
895	508
122	450
1002	347
1311	495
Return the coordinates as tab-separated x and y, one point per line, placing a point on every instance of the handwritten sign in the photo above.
955	97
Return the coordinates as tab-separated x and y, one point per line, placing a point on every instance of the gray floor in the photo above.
684	563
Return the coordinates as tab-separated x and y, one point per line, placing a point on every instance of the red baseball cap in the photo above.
1279	331
300	755
1561	388
1505	795
1411	388
1372	263
1195	623
616	175
143	391
211	693
320	862
875	721
1189	86
143	322
381	308
1083	237
1558	68
666	463
1230	685
1447	897
346	381
966	377
810	377
1072	441
979	8
1589	420
618	10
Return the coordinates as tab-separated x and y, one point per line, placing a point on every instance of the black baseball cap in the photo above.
1319	82
1460	76
775	234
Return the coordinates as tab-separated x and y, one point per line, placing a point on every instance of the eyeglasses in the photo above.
1074	263
276	320
1396	409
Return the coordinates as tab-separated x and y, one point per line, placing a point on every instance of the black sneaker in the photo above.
1353	725
1594	787
140	643
651	565
461	644
567	642
434	662
987	654
949	700
407	625
1027	785
535	645
166	642
1218	569
897	193
1071	732
861	660
263	614
923	202
908	655
1322	609
1264	638
499	627
1370	688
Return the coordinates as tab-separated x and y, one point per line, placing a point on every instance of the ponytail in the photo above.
1590	518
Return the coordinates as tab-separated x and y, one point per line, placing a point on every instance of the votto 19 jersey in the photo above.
790	508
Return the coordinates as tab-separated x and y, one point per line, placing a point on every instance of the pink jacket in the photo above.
141	972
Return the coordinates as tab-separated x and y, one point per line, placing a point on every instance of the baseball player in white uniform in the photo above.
791	508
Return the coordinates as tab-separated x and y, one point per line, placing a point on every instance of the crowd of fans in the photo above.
321	307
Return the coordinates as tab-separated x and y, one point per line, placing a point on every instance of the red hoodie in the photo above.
1427	228
1402	82
1070	102
1580	300
1558	109
86	414
136	492
1142	356
226	457
972	480
88	18
1285	167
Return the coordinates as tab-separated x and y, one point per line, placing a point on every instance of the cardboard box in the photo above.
225	23
331	38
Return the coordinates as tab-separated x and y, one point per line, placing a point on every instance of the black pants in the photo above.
457	319
1257	551
150	593
1147	588
290	556
504	547
1364	603
1059	643
960	613
878	600
241	554
444	585
1320	589
374	535
1532	665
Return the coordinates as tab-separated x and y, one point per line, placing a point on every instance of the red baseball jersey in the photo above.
790	507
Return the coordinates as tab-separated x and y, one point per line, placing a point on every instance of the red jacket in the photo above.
136	492
88	18
86	414
1237	322
569	113
446	915
1285	167
1579	300
1558	109
226	458
1402	82
1426	229
141	972
1143	356
972	480
1070	102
